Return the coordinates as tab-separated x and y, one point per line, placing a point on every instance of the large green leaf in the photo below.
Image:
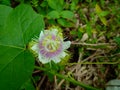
5	2
16	62
28	85
4	12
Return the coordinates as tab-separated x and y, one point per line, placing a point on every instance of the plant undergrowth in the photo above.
92	26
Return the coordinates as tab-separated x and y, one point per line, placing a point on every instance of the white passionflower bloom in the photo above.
51	46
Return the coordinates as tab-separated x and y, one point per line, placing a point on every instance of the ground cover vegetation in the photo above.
88	29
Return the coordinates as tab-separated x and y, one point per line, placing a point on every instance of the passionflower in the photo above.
51	46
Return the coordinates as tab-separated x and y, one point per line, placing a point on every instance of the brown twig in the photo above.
60	83
41	81
89	44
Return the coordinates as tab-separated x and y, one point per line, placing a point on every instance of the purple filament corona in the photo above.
50	46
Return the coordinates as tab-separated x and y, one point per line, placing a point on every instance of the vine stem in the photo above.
70	79
90	63
88	44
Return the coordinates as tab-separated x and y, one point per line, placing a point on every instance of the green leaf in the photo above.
65	23
52	21
99	12
75	1
5	2
72	6
67	14
44	3
117	40
4	12
28	85
53	15
104	13
89	29
56	4
16	62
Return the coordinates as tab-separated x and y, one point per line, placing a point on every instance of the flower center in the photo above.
51	44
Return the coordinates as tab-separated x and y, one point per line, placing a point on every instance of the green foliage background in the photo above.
93	24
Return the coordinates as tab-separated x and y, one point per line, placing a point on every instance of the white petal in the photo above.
63	54
41	35
47	31
66	44
54	31
56	59
43	59
35	48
